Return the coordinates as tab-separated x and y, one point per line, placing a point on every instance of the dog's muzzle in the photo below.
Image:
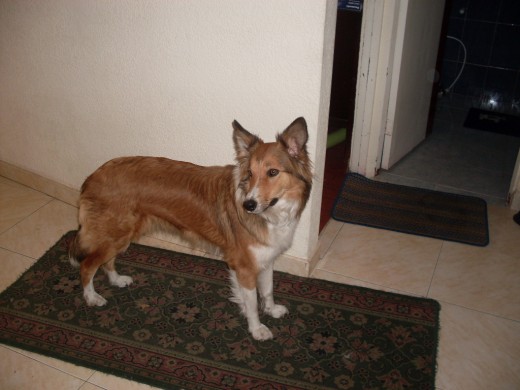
250	205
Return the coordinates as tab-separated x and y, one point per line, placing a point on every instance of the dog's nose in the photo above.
250	204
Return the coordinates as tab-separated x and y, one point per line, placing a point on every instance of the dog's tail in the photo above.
76	254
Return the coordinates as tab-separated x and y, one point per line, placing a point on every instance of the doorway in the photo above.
476	71
342	104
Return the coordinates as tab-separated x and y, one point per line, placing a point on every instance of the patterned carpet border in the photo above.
412	210
175	327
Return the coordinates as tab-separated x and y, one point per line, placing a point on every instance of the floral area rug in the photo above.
176	328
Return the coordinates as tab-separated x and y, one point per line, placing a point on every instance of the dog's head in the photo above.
273	177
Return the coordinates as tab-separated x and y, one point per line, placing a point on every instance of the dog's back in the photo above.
129	195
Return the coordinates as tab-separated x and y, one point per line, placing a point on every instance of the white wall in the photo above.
83	81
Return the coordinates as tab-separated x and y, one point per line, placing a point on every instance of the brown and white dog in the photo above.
249	211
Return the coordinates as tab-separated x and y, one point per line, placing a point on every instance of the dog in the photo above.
249	211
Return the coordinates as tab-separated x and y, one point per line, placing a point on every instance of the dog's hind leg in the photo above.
92	298
86	261
88	269
114	278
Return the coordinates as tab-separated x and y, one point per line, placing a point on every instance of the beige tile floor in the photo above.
478	288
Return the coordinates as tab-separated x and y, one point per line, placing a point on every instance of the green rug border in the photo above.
157	384
357	175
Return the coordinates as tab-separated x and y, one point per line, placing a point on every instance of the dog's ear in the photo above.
295	137
243	139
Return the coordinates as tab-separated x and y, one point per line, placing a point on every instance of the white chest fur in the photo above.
281	222
280	239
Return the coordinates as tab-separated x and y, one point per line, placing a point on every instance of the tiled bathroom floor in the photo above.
457	159
478	288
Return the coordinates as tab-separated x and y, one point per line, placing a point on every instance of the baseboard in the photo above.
40	183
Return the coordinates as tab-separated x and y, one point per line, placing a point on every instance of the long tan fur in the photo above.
248	210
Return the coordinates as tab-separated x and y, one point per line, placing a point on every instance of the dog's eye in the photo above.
272	172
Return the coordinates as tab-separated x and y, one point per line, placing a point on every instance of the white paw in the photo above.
122	281
261	333
277	311
94	299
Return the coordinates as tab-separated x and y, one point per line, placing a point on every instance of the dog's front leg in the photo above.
256	328
265	287
247	300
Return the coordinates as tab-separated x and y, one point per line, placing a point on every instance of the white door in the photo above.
417	42
398	51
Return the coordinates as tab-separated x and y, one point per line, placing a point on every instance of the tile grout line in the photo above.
435	269
45	364
51	199
333	240
91	383
321	261
22	220
374	286
497	316
19	254
459	305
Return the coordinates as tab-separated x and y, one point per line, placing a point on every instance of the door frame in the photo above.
378	40
514	187
392	88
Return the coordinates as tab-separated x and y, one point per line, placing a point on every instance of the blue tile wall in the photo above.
490	30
